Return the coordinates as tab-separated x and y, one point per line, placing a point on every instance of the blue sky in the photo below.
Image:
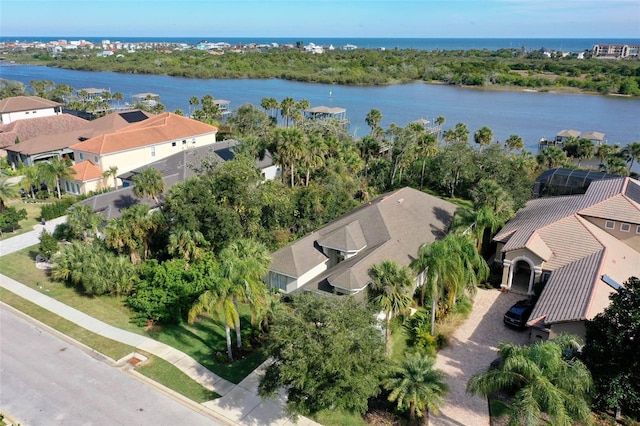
322	18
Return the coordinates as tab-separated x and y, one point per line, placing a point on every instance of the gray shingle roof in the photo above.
393	227
348	238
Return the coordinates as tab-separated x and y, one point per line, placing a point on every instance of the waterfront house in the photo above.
134	146
174	169
336	258
559	248
41	139
26	107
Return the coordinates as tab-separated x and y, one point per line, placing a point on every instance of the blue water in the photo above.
560	44
530	115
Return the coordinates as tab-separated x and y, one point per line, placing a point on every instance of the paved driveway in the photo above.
472	348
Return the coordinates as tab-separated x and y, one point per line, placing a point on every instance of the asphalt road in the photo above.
45	380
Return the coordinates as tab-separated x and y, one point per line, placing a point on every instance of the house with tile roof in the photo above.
44	138
174	169
564	245
134	146
27	107
336	258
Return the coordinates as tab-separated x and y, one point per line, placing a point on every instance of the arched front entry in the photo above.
520	263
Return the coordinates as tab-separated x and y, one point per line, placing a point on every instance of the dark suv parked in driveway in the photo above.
518	314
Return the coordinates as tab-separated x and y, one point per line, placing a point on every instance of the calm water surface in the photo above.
529	114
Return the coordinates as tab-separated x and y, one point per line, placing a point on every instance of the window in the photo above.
153	151
193	141
638	229
277	281
184	141
625	227
66	185
81	156
95	159
609	224
545	277
26	113
174	143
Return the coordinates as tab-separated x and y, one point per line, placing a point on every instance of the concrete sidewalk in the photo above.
239	404
30	238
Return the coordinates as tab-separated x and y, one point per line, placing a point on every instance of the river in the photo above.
531	115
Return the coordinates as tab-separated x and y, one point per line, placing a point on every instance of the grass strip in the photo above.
167	374
156	369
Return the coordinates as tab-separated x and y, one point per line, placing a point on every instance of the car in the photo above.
518	314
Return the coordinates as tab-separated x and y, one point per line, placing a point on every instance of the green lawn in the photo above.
200	340
33	213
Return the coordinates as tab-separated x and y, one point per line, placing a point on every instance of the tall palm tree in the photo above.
632	153
373	119
483	136
30	180
117	96
426	147
112	172
244	263
290	144
286	107
514	142
218	300
390	290
149	183
450	267
193	103
416	385
7	192
60	169
542	380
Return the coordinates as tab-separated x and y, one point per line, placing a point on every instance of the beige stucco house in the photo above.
134	146
336	258
564	245
26	107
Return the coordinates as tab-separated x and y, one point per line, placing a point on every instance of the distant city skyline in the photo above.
322	18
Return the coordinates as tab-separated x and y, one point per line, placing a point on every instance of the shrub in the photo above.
56	209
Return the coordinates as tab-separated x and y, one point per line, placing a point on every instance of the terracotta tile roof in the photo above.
86	171
25	103
114	122
38	127
161	128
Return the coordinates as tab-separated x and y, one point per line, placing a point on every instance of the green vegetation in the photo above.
612	342
544	380
166	374
513	68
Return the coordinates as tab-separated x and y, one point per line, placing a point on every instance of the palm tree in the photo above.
83	221
514	142
117	96
60	169
541	380
270	105
244	263
552	157
416	385
390	290
30	180
369	149
188	245
112	172
440	122
373	119
483	136
290	144
450	267
149	183
286	107
193	103
7	192
426	147
632	153
218	300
